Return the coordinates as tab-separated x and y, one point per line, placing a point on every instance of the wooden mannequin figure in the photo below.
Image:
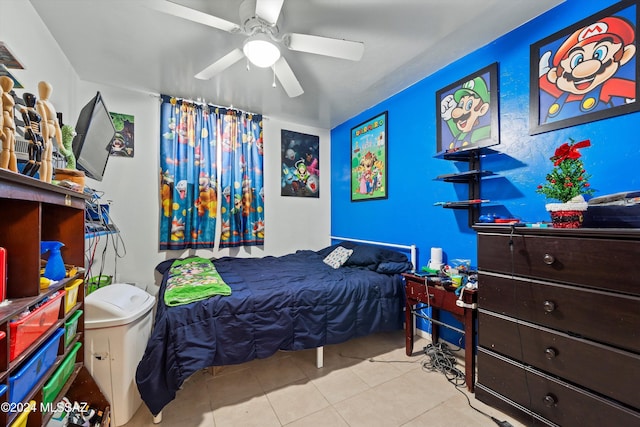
50	129
8	159
32	133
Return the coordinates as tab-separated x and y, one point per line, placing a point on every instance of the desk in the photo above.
421	290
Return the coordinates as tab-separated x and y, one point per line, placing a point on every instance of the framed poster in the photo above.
8	59
369	159
300	164
586	72
467	112
123	143
5	72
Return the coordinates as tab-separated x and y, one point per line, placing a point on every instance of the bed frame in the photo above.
320	350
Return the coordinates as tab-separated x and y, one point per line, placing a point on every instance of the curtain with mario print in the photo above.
190	135
188	164
242	200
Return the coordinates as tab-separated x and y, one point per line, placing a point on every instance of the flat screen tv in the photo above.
94	135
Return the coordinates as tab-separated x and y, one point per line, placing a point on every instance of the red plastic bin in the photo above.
25	331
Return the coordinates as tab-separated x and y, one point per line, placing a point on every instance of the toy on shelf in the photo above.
8	159
32	133
50	129
69	177
68	132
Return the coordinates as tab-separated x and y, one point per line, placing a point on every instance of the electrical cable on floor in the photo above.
371	359
441	359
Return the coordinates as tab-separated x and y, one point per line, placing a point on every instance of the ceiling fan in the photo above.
258	21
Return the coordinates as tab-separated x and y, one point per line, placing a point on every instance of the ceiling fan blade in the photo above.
337	48
184	12
269	10
220	65
287	79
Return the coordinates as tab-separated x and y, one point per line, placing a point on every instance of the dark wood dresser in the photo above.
559	324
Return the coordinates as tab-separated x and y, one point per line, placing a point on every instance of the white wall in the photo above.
24	33
132	184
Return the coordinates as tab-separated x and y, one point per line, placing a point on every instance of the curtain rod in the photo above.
159	96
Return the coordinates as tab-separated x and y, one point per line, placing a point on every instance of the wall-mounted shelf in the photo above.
463	204
472	177
465	155
94	234
464	176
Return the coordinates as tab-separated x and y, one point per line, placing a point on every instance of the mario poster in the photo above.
467	112
369	159
586	72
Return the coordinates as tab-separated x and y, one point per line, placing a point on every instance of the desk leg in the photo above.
469	359
435	332
408	321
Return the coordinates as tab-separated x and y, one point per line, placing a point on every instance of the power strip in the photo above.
501	423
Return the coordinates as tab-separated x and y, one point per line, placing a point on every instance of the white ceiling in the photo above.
126	44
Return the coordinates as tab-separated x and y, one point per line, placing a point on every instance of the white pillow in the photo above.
338	257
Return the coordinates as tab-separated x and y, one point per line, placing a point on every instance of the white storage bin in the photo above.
118	320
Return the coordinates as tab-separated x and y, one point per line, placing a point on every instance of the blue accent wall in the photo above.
409	216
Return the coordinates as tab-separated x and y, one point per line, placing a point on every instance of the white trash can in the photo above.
118	320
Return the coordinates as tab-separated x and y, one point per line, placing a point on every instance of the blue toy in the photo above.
55	265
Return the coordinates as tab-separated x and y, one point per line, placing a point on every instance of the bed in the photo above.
292	302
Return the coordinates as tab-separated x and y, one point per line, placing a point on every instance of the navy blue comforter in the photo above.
291	302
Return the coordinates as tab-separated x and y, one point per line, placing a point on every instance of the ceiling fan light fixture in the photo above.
261	50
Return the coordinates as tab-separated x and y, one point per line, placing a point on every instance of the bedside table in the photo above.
420	289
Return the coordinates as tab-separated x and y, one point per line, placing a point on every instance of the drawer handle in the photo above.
549	400
548	259
550	353
548	306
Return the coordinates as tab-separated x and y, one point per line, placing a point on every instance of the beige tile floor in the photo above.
367	381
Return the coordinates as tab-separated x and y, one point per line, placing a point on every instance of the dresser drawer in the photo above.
594	262
605	370
602	316
549	397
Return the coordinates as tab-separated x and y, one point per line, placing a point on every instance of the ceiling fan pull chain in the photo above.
274	76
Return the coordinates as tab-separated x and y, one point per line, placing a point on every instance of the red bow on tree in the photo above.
567	151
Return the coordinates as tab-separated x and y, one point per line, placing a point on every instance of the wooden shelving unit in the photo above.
31	212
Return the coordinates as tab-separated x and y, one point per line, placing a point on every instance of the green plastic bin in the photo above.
60	376
97	282
71	327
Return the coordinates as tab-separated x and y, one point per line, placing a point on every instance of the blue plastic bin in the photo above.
34	368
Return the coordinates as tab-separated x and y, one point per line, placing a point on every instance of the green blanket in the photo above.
193	279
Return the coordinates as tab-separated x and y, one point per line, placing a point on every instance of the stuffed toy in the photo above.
68	132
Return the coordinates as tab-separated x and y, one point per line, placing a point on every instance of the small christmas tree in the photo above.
568	179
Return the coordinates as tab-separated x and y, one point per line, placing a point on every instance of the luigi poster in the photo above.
123	143
467	112
300	164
